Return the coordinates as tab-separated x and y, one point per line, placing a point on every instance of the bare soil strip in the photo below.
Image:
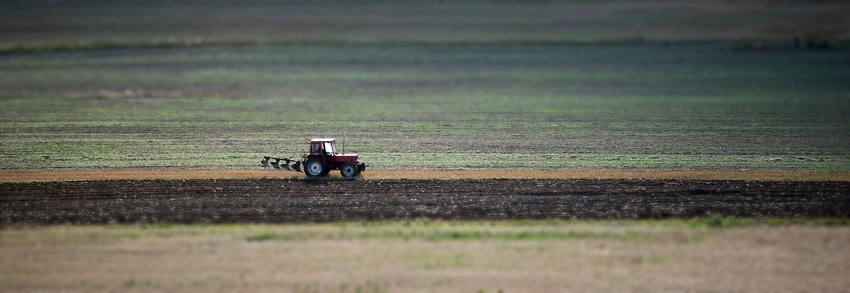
295	201
149	174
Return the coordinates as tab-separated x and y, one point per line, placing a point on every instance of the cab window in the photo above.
329	147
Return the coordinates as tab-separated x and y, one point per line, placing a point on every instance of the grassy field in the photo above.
51	25
628	85
494	106
723	254
608	89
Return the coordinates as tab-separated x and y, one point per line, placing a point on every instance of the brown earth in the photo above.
304	200
142	174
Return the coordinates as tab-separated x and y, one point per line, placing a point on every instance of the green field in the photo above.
631	85
37	25
474	106
430	84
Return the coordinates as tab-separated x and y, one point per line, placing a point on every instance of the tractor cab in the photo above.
323	147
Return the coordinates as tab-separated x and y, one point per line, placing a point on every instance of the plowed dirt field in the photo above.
304	200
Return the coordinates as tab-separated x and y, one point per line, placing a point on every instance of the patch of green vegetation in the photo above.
650	230
367	287
517	230
437	235
716	222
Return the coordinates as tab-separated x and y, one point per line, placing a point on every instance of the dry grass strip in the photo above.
142	174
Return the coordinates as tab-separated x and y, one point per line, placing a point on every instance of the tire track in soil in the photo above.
283	200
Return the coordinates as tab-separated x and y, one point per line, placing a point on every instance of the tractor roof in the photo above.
322	140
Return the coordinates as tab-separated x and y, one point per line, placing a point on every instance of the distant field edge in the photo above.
744	43
436	174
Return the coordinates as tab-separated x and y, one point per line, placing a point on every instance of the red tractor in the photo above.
323	158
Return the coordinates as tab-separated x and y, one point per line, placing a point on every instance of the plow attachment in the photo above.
276	164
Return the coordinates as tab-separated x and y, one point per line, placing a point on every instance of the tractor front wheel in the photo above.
315	167
348	170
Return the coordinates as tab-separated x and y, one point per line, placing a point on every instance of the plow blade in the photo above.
276	164
265	163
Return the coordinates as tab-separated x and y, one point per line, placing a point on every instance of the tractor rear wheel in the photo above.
316	167
348	170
